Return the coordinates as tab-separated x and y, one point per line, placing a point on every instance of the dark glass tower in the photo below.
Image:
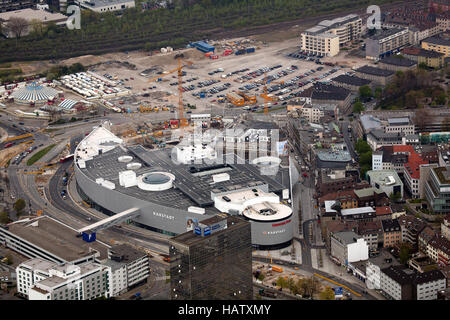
212	262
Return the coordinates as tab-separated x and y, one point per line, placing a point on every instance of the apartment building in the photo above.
392	232
135	262
412	174
372	233
440	45
445	227
39	279
311	113
401	283
350	82
347	247
411	228
431	59
348	28
395	63
347	198
374	266
329	35
438	249
322	43
377	75
386	42
390	158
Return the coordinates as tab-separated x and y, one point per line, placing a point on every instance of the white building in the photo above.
386	180
30	272
374	266
401	283
105	5
347	247
136	264
117	275
42	280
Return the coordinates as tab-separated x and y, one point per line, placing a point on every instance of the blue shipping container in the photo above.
203	46
249	50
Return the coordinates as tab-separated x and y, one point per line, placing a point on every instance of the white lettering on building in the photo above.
274	232
163	215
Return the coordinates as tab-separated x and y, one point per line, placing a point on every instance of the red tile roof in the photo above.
383	210
403	149
413	165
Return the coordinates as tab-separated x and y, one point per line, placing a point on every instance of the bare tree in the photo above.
421	118
17	26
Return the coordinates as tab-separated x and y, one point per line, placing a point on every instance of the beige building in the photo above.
329	35
437	44
348	28
326	44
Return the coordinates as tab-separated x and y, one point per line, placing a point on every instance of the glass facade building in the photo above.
437	190
212	262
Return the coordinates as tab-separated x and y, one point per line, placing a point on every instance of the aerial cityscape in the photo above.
249	150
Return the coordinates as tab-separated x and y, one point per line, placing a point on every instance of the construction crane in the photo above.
265	95
179	69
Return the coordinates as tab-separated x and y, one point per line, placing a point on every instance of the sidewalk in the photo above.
277	254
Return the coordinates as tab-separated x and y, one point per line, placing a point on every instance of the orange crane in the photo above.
179	69
265	96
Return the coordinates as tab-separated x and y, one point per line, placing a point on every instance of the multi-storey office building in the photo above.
42	280
329	35
214	261
437	189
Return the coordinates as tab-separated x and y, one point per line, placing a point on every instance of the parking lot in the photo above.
207	82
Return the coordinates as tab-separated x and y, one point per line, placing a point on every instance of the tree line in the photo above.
185	21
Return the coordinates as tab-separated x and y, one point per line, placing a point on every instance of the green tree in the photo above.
362	146
19	205
358	107
281	282
261	277
327	294
4	217
365	92
405	252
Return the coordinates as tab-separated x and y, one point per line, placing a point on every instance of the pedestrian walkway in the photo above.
280	254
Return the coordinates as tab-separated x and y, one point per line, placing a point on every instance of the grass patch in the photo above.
5	65
9	72
39	154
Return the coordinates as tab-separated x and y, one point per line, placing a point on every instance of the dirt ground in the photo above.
271	49
271	276
7	154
